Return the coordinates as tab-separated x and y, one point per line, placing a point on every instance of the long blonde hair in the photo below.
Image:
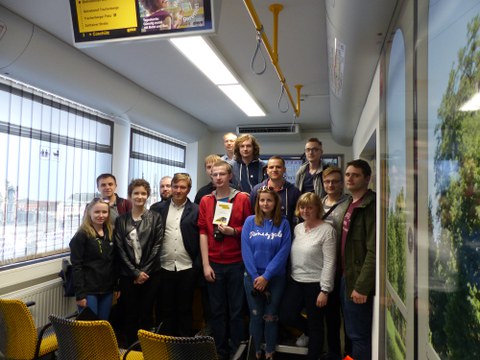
87	225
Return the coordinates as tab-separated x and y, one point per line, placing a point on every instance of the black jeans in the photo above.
137	304
333	320
176	300
298	296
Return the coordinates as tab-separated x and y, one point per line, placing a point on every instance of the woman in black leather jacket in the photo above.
138	237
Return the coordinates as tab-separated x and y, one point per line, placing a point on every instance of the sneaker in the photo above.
302	340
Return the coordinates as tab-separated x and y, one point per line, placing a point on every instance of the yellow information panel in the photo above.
99	21
105	15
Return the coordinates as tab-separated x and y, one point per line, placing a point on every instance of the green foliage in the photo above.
395	345
457	259
396	246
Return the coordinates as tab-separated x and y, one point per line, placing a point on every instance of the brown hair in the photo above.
314	139
362	165
139	182
106	176
330	170
277	209
276	157
240	140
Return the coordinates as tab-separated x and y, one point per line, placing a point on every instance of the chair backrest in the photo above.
18	335
162	347
85	340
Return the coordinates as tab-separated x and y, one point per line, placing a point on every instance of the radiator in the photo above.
49	299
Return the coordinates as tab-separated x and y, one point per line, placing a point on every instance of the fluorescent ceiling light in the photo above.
209	61
202	55
473	104
242	99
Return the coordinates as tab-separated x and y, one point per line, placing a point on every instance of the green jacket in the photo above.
360	246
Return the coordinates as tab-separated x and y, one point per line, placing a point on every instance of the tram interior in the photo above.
382	80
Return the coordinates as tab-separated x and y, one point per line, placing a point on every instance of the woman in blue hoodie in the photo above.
266	243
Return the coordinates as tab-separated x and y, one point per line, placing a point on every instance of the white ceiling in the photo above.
158	67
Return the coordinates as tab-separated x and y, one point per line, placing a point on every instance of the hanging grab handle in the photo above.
272	53
282	96
258	49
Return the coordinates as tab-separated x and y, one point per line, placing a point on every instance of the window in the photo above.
153	156
50	153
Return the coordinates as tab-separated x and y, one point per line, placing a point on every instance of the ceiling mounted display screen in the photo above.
96	21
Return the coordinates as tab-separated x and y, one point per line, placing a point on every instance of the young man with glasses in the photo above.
222	258
335	203
289	194
179	258
309	175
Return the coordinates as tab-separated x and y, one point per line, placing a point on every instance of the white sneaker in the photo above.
302	340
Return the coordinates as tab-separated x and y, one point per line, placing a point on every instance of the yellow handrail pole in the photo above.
275	9
297	108
259	27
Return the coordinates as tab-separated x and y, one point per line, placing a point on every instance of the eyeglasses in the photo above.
312	150
333	182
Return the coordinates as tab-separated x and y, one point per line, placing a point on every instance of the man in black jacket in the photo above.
179	258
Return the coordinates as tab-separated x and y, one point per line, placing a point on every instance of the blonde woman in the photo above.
92	257
312	260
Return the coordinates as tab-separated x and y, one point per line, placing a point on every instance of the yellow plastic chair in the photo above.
88	340
19	338
162	347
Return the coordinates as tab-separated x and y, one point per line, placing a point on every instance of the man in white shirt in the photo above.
179	258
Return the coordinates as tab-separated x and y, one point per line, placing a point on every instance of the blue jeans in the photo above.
226	297
358	324
100	304
263	313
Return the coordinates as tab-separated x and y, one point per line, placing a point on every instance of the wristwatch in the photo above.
324	292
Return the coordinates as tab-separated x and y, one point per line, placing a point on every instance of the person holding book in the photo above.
222	258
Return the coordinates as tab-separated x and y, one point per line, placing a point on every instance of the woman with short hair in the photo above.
138	237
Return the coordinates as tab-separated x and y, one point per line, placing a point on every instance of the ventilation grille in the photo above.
286	129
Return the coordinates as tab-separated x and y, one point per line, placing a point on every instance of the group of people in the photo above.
298	254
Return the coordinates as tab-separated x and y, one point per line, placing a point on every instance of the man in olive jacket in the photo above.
357	259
